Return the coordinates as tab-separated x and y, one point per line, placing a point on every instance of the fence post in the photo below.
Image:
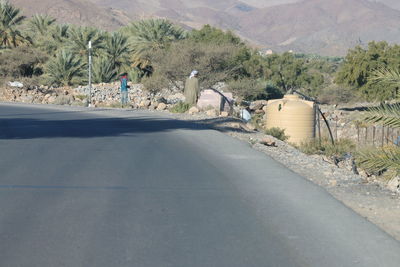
373	135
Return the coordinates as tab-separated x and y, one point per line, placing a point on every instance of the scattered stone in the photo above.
251	127
162	106
394	184
224	114
212	113
333	183
258	105
268	142
193	110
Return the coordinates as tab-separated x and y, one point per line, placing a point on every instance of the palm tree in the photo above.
379	160
386	115
55	39
103	71
150	35
65	69
79	38
40	24
10	36
388	77
117	49
41	29
60	33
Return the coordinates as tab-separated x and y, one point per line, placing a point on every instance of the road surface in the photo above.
85	187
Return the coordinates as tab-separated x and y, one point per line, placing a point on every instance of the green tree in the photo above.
10	19
55	39
40	24
288	72
148	36
60	33
173	65
41	29
79	38
65	69
209	34
360	65
117	50
103	70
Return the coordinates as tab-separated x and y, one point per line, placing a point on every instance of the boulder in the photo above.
209	98
258	105
268	142
224	114
27	99
251	127
212	113
161	106
144	104
193	110
394	184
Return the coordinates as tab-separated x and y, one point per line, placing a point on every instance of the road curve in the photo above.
85	187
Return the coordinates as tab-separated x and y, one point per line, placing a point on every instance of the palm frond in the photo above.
388	76
379	160
147	36
386	115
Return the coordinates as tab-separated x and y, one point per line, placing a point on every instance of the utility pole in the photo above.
90	74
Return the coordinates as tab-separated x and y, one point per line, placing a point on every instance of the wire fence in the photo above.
362	135
377	136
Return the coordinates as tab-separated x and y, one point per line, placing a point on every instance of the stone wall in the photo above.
102	95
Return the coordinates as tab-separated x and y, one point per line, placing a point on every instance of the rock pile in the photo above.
109	94
39	95
102	95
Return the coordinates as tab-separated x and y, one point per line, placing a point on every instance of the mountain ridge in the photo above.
310	26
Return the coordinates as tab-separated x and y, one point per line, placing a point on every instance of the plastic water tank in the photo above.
294	115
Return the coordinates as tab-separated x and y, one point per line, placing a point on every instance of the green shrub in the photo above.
325	147
155	83
65	69
278	133
181	107
22	62
215	63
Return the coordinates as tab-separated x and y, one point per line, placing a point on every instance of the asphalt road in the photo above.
82	187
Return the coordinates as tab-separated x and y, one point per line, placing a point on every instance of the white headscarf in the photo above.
193	74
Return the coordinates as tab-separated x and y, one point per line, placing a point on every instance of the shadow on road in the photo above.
28	128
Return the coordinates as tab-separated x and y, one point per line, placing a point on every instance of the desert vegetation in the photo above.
153	51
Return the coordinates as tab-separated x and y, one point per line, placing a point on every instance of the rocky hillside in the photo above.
313	26
322	26
80	12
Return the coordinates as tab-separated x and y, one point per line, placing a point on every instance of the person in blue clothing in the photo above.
124	88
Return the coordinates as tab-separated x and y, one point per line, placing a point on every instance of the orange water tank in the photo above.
294	115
